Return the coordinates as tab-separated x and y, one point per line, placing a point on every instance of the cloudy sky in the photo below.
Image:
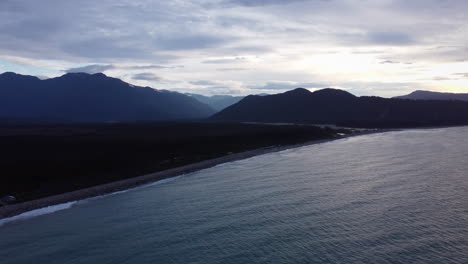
368	47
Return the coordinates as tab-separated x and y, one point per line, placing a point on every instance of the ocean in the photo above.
393	197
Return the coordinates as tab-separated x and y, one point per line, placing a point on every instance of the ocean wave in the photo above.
222	164
58	207
38	212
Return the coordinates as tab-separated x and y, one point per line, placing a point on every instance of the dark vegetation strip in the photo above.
41	161
18	208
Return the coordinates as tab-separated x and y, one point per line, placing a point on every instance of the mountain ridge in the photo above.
333	106
82	97
217	102
430	95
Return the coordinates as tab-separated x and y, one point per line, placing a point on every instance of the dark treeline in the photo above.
38	161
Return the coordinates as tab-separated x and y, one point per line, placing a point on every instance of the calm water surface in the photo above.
396	197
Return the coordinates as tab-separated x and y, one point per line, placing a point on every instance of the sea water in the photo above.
395	197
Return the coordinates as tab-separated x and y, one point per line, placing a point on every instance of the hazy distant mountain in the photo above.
428	95
91	98
217	102
332	106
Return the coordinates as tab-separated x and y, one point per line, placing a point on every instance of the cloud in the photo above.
192	42
96	68
436	55
103	48
394	62
390	38
127	30
147	76
366	51
204	83
441	78
91	69
31	29
389	62
252	3
462	74
225	60
11	6
385	89
238	43
150	67
247	49
231	69
219	86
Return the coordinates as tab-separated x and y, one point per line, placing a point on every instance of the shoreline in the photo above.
121	185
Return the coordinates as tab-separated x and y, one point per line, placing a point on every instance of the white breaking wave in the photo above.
63	206
131	189
160	182
221	164
38	212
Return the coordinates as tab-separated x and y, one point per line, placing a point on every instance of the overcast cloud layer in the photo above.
378	47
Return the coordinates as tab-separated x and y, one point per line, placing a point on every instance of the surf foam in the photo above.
38	212
58	207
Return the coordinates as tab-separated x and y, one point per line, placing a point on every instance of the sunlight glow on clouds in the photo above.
379	47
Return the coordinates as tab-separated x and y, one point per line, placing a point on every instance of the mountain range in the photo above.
332	106
428	95
82	97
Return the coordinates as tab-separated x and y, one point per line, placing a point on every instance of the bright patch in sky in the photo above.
379	47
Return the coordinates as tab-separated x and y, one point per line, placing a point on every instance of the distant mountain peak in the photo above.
299	91
217	102
9	74
100	74
333	92
75	74
13	75
430	95
421	91
83	74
